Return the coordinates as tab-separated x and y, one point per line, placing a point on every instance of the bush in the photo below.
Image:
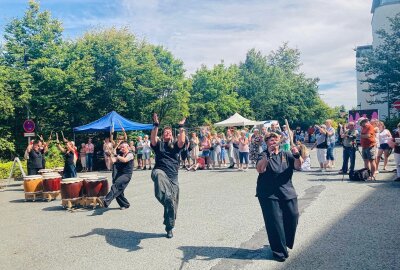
5	168
53	159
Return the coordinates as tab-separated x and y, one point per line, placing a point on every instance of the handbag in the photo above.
324	144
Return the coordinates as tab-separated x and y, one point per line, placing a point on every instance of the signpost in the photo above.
29	134
29	127
396	105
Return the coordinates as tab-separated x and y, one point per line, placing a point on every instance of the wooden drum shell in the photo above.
52	182
33	184
71	188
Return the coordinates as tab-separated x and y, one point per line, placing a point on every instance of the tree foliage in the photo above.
277	90
382	65
67	83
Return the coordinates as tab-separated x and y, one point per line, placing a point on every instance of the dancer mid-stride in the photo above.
165	172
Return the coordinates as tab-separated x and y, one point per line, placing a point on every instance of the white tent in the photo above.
236	120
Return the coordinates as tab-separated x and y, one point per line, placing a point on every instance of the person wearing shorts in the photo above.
368	144
146	152
384	137
139	152
243	151
205	147
321	145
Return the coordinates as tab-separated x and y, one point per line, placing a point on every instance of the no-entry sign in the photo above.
29	126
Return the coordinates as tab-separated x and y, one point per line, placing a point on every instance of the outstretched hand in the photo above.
155	119
182	121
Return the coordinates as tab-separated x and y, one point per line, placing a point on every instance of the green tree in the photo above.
214	95
277	90
382	65
31	44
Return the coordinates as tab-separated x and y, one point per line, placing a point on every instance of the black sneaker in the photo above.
170	234
144	168
279	259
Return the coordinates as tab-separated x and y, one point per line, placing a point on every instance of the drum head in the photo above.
33	177
70	180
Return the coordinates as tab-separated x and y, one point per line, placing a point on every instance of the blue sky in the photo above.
208	31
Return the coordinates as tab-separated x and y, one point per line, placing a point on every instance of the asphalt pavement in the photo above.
343	225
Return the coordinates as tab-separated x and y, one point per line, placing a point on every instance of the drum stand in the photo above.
93	201
69	203
50	195
32	195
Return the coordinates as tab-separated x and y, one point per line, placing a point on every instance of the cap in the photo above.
362	120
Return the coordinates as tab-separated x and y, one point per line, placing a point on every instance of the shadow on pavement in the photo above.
100	211
366	237
54	208
38	200
128	240
229	253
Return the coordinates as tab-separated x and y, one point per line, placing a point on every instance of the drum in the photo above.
51	182
60	170
33	183
104	187
43	171
92	186
84	177
71	188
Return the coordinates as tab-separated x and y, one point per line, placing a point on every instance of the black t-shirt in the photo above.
167	159
276	181
69	158
35	160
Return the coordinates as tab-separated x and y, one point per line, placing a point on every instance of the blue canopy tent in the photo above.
112	121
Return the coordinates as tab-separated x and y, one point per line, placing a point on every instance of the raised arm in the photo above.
182	134
154	131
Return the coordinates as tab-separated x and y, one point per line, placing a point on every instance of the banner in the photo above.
357	114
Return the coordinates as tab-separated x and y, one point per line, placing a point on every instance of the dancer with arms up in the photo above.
165	172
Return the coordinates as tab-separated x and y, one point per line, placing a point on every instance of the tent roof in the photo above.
236	120
107	122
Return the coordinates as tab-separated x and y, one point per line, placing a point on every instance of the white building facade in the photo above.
381	10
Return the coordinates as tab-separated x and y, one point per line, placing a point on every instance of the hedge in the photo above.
5	167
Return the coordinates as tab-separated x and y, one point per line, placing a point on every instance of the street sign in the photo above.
29	126
29	134
396	104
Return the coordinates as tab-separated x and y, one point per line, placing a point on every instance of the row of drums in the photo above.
85	186
71	188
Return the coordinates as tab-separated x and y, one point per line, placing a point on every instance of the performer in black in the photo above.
69	159
124	168
165	172
35	158
277	196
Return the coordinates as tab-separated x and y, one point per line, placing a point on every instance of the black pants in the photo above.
349	153
120	182
33	171
281	218
167	193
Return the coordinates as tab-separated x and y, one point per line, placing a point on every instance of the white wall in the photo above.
379	21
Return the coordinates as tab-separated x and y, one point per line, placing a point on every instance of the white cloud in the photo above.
204	32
